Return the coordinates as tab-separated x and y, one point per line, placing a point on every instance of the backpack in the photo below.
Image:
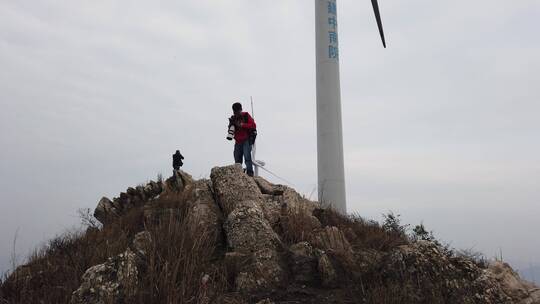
252	132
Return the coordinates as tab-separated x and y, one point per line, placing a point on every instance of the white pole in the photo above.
331	173
254	150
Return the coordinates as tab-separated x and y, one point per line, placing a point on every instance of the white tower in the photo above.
330	167
331	175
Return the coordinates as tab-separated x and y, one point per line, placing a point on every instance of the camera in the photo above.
231	129
230	133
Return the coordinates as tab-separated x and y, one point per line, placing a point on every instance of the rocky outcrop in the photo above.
247	229
303	262
273	208
231	187
179	180
108	211
246	218
204	216
514	287
268	188
294	202
331	238
109	282
116	279
167	207
429	264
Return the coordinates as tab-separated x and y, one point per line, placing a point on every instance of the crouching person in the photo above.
177	161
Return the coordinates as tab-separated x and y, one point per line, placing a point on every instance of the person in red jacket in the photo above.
244	127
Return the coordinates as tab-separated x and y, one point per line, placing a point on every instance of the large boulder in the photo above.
152	189
331	238
294	202
116	279
178	182
108	211
268	188
204	215
110	282
263	273
282	203
233	186
247	229
272	208
433	267
289	199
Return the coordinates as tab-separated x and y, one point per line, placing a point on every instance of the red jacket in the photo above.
247	124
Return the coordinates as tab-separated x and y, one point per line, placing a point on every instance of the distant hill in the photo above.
235	239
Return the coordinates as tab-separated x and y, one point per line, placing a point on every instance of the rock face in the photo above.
232	187
108	211
294	202
204	215
429	263
512	285
303	262
109	282
331	238
247	229
115	279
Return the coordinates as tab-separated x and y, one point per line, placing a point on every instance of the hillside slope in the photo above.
237	239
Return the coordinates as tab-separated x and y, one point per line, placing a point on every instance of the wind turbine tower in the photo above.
330	166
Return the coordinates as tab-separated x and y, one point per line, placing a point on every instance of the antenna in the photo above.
256	163
252	111
330	163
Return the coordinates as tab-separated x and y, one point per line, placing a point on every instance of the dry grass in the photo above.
54	271
178	259
296	227
177	263
362	234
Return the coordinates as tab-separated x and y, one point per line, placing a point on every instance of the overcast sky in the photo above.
441	127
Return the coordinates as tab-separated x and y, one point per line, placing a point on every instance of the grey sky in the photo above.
441	127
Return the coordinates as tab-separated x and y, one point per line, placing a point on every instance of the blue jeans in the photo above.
244	149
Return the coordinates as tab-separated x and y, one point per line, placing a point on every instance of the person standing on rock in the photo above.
244	136
177	161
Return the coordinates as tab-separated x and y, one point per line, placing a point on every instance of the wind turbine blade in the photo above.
379	21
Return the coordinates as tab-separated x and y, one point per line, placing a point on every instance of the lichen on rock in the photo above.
248	230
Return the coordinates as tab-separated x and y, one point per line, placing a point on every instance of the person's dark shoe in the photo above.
250	174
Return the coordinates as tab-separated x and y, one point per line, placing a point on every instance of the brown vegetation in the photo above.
371	260
177	260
